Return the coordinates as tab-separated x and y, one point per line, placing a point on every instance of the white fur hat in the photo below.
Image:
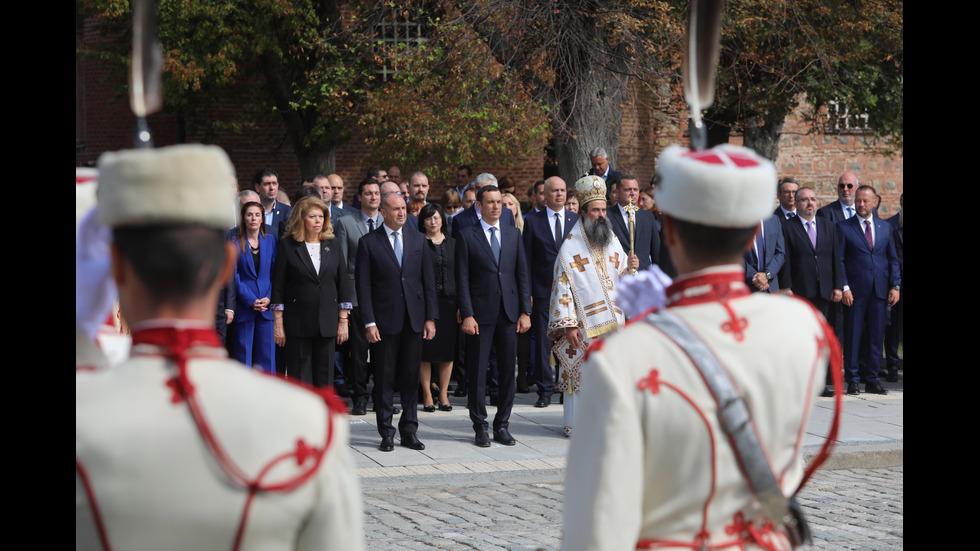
726	186
180	184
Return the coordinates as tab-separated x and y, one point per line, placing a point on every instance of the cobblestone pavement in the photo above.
521	510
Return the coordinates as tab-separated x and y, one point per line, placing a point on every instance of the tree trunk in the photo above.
591	118
316	161
763	139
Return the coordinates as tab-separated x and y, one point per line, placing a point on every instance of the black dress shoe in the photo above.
875	388
542	402
523	390
396	410
460	392
429	409
827	393
387	444
412	441
504	437
892	377
482	439
445	407
852	389
360	407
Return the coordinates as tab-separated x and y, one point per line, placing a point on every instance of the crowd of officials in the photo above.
297	311
270	223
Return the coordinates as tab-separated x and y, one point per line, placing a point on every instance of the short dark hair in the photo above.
469	171
534	188
257	179
366	182
786	180
374	171
711	244
483	190
428	211
865	186
176	263
306	191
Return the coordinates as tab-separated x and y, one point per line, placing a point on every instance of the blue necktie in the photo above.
398	248
494	244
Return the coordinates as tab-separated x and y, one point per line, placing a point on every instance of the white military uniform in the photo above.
650	466
145	473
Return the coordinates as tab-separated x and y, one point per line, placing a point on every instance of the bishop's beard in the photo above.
598	231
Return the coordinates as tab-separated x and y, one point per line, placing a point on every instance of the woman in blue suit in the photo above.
251	331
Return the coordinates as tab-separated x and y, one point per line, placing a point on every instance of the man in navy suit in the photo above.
473	215
495	304
349	231
600	167
397	296
646	238
266	183
812	267
786	194
765	258
544	232
843	207
893	332
871	278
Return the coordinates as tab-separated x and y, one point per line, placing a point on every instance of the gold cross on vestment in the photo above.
615	259
565	300
570	351
579	263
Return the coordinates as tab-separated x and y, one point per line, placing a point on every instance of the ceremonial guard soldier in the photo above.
180	447
652	465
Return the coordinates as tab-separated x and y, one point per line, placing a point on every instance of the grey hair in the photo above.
598	152
248	193
486	179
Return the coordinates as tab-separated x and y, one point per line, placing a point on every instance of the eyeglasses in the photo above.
842	186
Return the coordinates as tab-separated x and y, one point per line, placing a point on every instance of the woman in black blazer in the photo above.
311	294
441	350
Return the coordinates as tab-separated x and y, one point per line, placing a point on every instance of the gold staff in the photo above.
630	209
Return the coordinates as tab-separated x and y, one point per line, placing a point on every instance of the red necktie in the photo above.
867	234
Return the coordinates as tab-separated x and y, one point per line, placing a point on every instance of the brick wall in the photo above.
648	126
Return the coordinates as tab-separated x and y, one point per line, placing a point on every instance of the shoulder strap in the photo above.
733	414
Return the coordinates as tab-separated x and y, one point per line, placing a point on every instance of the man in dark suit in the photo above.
495	303
333	194
600	167
812	267
397	296
893	331
473	215
349	231
544	232
646	238
763	261
266	183
843	207
786	194
871	279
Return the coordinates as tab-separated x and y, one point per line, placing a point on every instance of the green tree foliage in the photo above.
294	59
780	54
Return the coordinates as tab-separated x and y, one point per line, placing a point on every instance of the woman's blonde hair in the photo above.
518	218
297	226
